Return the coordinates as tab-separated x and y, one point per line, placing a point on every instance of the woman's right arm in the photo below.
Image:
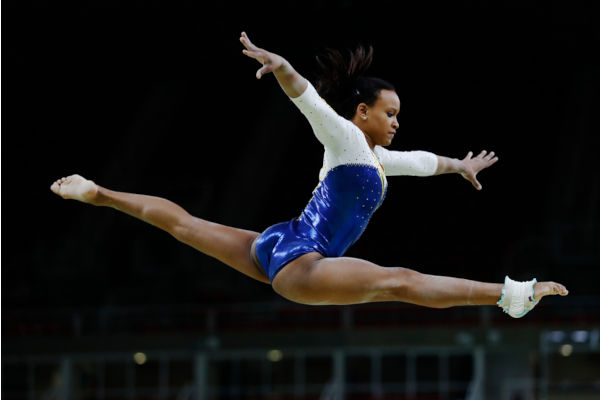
292	83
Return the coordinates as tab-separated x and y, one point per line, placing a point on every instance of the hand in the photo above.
270	61
472	166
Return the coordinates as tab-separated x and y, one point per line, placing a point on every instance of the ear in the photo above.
361	111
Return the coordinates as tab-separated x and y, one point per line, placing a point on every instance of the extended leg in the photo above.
312	279
230	245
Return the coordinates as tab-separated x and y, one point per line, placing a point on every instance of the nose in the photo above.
395	124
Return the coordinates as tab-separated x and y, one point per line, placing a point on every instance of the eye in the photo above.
390	114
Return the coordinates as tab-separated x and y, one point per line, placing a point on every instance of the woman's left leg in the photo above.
313	279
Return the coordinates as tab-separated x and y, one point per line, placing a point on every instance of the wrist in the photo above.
448	165
460	166
284	69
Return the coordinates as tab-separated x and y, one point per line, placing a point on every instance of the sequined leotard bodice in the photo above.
352	185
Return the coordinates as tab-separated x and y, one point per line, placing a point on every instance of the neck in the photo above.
369	142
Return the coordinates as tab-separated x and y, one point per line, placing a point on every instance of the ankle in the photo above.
101	198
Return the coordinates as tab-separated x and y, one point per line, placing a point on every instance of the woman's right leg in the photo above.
229	245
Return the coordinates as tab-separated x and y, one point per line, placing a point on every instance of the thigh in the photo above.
232	246
314	279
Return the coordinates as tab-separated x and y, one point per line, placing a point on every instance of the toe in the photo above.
562	290
549	289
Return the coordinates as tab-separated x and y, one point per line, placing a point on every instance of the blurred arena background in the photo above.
155	97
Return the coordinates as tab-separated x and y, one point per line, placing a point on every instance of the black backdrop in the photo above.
158	99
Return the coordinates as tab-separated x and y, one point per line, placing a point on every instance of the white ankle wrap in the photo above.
517	297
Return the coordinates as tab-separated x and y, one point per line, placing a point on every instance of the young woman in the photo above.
302	258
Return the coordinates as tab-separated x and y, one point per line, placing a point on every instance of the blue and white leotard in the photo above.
352	185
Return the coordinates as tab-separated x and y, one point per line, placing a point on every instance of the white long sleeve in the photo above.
344	142
413	163
332	130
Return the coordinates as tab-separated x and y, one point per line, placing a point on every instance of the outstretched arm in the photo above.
468	167
424	163
292	83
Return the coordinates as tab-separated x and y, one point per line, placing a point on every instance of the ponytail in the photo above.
341	81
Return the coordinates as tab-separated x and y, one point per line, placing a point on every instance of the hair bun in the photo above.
338	70
341	81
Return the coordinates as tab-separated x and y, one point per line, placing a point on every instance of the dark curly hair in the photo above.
341	81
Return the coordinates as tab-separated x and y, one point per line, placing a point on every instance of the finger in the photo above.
469	155
264	70
490	155
246	38
248	46
253	54
493	161
486	163
246	42
472	177
482	154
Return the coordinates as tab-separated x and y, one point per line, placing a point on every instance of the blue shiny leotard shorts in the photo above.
335	217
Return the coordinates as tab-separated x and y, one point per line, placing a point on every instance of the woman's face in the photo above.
378	122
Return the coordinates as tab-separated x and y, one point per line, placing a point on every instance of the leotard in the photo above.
352	185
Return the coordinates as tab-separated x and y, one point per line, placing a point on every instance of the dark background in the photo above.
159	100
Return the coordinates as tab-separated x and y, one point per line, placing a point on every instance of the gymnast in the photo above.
353	116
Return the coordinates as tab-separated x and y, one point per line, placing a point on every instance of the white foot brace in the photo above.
517	297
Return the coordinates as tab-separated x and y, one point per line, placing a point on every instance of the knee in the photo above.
399	284
181	229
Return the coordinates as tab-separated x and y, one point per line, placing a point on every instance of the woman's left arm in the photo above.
468	167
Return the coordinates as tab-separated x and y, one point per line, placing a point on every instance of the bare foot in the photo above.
518	298
542	289
75	187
